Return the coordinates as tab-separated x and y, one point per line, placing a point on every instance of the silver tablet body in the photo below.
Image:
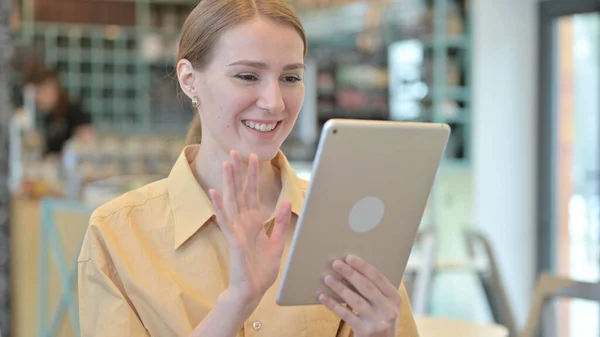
368	191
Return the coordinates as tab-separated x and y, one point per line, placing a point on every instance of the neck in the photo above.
208	169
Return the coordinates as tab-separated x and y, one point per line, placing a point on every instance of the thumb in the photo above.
282	220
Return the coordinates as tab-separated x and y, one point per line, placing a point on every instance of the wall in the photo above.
6	51
504	138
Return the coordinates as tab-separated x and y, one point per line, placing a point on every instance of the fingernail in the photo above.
353	260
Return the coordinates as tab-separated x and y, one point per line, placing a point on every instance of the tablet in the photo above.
369	187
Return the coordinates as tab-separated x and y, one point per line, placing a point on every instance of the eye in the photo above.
247	77
292	79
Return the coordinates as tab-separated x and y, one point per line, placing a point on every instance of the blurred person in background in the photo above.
62	117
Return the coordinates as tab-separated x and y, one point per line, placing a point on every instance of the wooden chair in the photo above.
63	226
444	327
479	249
481	261
418	278
551	287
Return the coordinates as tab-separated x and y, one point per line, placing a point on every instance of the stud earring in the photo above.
195	102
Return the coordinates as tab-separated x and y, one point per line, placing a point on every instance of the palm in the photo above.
254	257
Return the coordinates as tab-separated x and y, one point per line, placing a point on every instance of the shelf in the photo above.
457	94
451	164
459	116
190	3
162	62
75	28
460	41
104	64
442	94
353	113
440	59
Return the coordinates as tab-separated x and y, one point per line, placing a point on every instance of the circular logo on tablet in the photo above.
366	214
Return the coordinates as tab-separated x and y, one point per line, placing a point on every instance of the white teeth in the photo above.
260	127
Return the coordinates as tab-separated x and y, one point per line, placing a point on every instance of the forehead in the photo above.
261	40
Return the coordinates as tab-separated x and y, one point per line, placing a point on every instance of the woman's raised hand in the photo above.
255	257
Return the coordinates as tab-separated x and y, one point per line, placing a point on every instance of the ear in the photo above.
186	77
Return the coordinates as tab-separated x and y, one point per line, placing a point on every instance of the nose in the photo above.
271	99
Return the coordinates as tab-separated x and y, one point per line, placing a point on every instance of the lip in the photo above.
262	121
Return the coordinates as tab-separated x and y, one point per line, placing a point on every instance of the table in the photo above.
444	327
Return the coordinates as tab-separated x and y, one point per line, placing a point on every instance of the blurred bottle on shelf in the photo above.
454	21
111	156
407	86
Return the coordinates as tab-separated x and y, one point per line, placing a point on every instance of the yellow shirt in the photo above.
154	261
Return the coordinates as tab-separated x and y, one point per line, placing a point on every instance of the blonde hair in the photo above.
211	18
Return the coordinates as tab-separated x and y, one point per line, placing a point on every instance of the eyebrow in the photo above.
262	65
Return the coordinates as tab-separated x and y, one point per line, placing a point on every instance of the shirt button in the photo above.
257	325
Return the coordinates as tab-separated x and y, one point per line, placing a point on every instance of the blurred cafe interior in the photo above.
510	240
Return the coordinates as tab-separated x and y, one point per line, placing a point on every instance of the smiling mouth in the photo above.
261	127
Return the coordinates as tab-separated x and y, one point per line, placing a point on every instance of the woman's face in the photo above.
251	92
46	95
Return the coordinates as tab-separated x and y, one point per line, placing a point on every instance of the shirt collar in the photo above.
192	207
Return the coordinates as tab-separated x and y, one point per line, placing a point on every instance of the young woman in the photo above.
200	252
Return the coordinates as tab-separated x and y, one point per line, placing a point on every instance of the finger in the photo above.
365	287
222	220
237	180
375	275
282	220
343	312
251	188
350	297
229	201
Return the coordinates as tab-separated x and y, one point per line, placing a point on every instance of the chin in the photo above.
263	153
267	155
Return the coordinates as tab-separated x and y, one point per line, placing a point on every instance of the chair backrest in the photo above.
445	327
550	287
479	247
63	226
426	243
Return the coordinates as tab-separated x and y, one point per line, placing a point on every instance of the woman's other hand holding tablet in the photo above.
255	257
373	308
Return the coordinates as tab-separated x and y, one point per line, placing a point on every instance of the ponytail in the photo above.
194	134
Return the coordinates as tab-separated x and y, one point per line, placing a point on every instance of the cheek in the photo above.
228	102
293	101
43	100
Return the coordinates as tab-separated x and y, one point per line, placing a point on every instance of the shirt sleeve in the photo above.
104	309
